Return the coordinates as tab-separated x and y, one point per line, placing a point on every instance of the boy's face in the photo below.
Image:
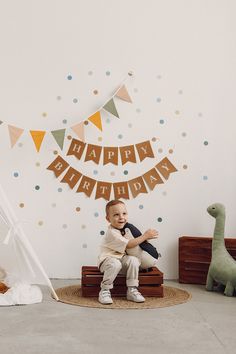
117	216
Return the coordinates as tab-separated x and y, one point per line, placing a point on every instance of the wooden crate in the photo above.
195	257
150	283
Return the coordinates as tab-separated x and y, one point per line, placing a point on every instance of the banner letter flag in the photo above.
14	134
165	168
76	148
37	136
111	108
152	178
137	186
96	120
58	166
144	150
123	94
110	155
121	190
71	177
93	153
103	190
59	136
127	154
79	130
86	186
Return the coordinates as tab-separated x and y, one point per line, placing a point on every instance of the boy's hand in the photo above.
150	234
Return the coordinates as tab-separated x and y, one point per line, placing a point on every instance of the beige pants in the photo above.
112	266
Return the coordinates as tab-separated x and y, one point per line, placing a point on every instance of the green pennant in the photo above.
59	136
111	108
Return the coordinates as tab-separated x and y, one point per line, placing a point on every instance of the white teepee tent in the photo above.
17	256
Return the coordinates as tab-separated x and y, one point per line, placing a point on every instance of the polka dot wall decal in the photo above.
64	121
177	112
130	125
140	206
54	205
69	137
126	172
20	145
16	174
154	139
113	173
108	73
21	205
164	193
159	77
69	77
180	92
159	219
95	92
83	226
99	138
37	164
37	188
185	167
44	114
55	152
102	232
59	190
86	122
40	223
171	151
120	136
199	114
184	134
58	98
64	226
95	172
205	143
160	151
161	121
108	120
78	209
75	100
84	245
158	99
205	178
90	73
138	110
96	214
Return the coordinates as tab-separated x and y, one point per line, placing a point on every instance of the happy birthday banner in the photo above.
121	189
59	134
110	154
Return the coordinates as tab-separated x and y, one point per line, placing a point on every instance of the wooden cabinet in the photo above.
195	257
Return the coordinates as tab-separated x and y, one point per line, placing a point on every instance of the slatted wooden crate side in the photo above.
195	257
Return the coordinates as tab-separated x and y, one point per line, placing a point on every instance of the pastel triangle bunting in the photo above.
96	120
59	136
37	136
123	94
79	130
111	108
14	134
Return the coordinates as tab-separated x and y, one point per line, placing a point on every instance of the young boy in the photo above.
113	256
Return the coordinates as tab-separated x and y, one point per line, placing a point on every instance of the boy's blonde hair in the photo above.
112	203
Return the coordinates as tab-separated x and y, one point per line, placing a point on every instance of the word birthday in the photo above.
136	186
110	154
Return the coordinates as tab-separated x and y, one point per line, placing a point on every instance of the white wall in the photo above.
180	51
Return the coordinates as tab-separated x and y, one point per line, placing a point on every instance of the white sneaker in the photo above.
134	295
105	297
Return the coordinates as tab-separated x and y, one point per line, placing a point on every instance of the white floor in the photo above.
205	324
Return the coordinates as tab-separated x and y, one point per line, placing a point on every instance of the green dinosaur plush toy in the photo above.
222	267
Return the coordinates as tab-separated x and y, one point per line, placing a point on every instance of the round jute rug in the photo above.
172	296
